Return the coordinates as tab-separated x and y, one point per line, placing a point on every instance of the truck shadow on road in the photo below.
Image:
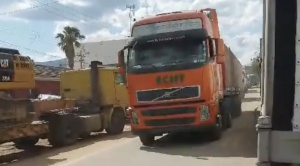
239	141
42	155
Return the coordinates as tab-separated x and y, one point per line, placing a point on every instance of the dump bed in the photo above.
76	85
233	70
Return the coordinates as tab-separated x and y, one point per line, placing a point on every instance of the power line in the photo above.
32	7
69	18
49	11
59	15
77	11
28	49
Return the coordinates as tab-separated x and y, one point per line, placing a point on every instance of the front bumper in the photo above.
180	118
172	129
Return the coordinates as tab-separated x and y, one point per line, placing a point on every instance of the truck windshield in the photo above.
162	54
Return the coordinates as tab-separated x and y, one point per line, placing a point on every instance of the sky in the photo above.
31	25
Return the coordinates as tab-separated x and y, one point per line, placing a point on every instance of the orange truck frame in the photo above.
180	75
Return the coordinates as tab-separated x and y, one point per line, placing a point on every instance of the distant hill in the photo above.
54	63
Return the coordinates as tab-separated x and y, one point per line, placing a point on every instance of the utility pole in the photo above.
82	55
131	14
146	6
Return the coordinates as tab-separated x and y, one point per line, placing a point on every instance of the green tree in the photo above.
256	64
68	40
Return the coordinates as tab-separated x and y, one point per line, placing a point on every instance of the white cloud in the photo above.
81	3
55	55
105	34
60	26
239	20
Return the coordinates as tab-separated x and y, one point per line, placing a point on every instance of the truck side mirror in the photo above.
220	48
121	63
121	58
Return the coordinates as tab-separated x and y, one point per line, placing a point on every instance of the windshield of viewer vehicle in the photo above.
183	53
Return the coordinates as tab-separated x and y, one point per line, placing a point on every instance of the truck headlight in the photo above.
134	118
204	113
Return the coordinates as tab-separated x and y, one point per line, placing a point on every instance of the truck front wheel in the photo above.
117	122
147	140
26	143
63	129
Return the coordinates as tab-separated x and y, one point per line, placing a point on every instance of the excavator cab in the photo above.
16	71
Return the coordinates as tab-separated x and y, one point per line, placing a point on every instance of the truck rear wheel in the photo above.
26	143
147	140
63	129
117	122
237	103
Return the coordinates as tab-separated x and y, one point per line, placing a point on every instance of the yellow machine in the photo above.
92	100
16	72
101	103
77	85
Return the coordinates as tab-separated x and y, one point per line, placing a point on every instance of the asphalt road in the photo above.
237	147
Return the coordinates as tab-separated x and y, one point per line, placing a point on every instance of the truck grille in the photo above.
169	122
169	111
168	94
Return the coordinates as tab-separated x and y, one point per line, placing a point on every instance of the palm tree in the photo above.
68	39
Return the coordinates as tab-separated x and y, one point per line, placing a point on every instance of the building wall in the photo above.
41	87
47	87
104	51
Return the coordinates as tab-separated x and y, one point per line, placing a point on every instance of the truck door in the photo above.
121	90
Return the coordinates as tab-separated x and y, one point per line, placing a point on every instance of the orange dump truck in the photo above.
180	75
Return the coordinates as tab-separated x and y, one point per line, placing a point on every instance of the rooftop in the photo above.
42	71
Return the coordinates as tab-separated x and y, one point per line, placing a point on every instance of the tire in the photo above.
237	102
117	123
225	108
63	130
26	143
217	130
147	140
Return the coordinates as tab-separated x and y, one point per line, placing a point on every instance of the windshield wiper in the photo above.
145	65
173	62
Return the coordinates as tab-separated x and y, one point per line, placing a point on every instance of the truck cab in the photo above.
173	78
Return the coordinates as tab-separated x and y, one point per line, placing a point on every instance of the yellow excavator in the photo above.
16	73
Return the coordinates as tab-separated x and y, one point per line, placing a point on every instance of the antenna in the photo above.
131	14
146	6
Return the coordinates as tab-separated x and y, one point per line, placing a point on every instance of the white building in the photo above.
104	51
